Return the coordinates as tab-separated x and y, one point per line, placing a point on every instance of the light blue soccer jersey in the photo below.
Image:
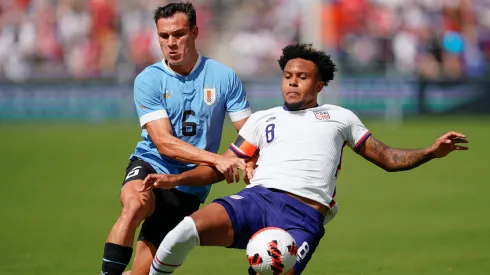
195	104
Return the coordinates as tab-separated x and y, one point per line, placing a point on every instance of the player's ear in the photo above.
320	86
195	32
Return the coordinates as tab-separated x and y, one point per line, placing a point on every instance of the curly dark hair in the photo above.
173	8
326	67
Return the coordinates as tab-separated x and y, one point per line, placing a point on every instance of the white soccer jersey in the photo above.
300	151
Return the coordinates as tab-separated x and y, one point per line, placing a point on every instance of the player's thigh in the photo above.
132	199
142	203
307	243
236	218
144	254
213	225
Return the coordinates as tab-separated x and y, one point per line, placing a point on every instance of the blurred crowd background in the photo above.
431	38
116	38
410	69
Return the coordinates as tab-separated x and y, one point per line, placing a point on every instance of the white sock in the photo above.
174	248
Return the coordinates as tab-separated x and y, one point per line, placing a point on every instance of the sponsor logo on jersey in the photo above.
209	95
322	115
270	119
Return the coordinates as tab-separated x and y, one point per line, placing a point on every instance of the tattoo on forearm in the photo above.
395	159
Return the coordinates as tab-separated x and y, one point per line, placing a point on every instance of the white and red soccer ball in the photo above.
272	251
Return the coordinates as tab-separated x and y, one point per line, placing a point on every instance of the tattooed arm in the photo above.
395	159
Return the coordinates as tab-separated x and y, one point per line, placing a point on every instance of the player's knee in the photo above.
136	210
185	234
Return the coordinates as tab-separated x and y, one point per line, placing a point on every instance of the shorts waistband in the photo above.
297	204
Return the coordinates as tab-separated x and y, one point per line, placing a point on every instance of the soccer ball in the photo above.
271	251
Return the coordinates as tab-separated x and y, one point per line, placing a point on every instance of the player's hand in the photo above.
448	143
228	166
248	173
163	181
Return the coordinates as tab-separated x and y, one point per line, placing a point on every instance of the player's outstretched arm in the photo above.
160	132
396	159
199	176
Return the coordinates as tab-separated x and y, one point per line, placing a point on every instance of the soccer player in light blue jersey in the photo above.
181	103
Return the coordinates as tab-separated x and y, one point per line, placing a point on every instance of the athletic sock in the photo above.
116	258
174	248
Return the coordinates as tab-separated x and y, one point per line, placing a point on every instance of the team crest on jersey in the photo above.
209	95
322	115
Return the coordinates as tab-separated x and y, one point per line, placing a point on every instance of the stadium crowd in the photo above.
116	38
433	38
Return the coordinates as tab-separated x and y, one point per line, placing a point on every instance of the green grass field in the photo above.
60	185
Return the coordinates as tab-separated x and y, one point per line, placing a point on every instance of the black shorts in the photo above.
171	205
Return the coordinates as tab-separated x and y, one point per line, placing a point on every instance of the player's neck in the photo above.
186	69
312	104
303	107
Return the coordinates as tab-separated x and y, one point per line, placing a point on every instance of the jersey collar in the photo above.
171	72
286	108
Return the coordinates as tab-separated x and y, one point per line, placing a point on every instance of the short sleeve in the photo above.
355	132
148	99
236	103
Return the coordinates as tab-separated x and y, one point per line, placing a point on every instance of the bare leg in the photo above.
213	225
145	251
136	207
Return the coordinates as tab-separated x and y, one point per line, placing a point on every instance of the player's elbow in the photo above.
386	166
394	168
164	147
168	153
389	169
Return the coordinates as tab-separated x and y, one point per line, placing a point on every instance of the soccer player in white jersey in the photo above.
181	103
293	186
